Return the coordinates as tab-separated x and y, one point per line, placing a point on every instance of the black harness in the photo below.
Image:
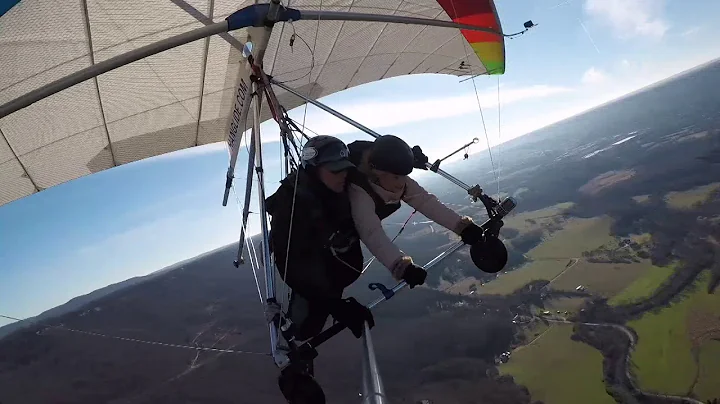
335	232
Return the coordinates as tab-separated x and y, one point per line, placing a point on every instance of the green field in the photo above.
642	239
552	255
686	199
577	236
707	385
523	221
507	283
602	279
569	304
558	370
532	331
644	286
663	357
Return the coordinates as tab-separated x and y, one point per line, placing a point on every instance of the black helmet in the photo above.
392	154
326	151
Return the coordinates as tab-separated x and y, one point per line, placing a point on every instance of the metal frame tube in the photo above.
336	328
450	178
262	36
474	141
359	126
267	265
325	108
248	195
350	16
110	64
402	284
373	390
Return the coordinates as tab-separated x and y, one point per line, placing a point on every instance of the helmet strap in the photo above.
373	178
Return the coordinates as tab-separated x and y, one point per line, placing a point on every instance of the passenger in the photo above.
377	188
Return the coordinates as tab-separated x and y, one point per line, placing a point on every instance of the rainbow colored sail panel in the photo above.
489	48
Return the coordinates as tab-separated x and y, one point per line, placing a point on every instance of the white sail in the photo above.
182	97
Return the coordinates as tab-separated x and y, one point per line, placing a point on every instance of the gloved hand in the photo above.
472	234
414	275
420	158
351	314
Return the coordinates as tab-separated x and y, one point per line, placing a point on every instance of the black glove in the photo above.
472	234
420	158
414	275
351	314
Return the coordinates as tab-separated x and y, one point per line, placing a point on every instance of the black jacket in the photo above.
321	223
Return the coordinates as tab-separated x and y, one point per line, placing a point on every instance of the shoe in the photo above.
300	387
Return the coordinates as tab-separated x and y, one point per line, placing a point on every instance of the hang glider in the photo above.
91	85
183	97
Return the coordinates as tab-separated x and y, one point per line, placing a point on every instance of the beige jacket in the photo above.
372	233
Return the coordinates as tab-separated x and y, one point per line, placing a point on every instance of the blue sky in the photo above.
137	218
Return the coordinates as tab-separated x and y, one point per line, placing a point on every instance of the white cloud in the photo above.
631	17
691	31
380	115
191	152
594	76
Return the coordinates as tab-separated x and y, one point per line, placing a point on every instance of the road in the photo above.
576	260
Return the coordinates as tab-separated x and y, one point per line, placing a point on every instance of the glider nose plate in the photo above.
489	254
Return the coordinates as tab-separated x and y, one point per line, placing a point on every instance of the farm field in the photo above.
553	255
643	286
602	279
569	304
507	283
526	221
577	236
686	199
663	359
576	369
708	370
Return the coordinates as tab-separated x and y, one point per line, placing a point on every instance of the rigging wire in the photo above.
248	239
306	128
487	138
312	55
499	171
97	334
568	265
367	265
292	42
254	264
287	293
477	97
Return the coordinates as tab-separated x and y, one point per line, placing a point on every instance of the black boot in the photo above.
298	385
